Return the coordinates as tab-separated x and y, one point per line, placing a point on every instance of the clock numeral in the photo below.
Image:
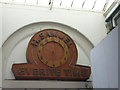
41	57
36	41
67	40
34	44
53	65
41	36
62	37
69	44
47	34
51	34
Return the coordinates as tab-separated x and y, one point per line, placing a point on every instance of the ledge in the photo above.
45	84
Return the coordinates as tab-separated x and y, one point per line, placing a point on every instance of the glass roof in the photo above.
97	5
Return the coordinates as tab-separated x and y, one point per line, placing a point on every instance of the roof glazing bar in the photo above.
61	3
49	2
37	1
51	5
72	3
83	3
94	4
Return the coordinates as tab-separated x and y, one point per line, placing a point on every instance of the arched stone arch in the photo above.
29	30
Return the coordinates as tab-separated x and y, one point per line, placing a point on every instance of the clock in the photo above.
53	51
51	54
52	47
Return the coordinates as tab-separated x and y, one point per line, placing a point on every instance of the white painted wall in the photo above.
90	24
0	25
0	67
119	52
14	49
0	45
104	59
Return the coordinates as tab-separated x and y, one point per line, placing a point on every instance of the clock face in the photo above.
52	48
53	51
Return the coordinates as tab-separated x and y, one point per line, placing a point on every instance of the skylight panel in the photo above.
31	1
89	4
99	5
57	3
77	3
43	2
109	3
19	1
7	0
66	3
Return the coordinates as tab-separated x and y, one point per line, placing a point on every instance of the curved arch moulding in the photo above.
14	48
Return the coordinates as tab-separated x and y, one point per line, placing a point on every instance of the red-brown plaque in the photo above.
51	54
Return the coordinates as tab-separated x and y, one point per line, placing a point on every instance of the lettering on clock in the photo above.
57	72
47	72
21	71
61	37
67	40
84	72
47	34
35	42
51	34
41	36
41	57
76	73
46	62
35	71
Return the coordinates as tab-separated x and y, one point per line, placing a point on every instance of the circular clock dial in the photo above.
53	52
52	48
